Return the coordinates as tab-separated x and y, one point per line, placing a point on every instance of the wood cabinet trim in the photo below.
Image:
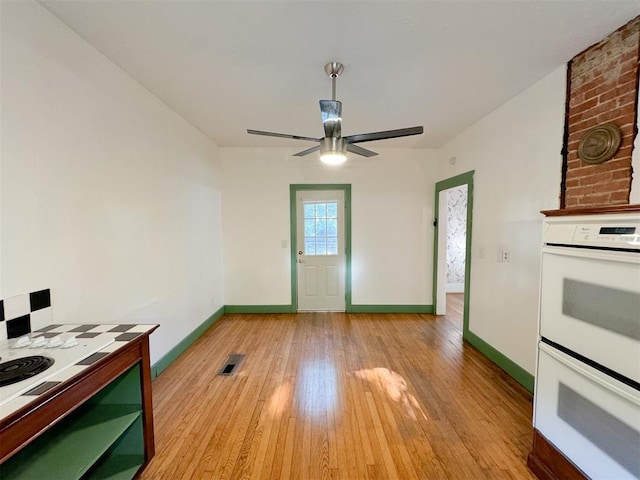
23	426
548	463
635	208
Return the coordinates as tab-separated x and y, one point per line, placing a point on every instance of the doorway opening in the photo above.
320	247
452	245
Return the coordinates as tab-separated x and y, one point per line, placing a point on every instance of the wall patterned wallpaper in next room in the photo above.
456	237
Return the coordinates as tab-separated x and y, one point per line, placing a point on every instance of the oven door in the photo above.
590	417
590	304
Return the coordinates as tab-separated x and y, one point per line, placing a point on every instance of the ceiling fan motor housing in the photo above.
331	144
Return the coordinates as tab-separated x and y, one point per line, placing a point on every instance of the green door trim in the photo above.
293	190
458	180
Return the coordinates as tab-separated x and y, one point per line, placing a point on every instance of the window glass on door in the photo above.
321	228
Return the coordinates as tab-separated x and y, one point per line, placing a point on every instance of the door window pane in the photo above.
332	246
321	228
309	228
321	246
332	227
310	246
309	210
332	210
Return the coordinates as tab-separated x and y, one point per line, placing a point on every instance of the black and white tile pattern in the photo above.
121	335
22	314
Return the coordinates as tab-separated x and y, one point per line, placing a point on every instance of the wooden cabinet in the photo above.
97	425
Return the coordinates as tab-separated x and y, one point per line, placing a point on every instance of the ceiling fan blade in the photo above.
360	151
282	135
368	137
331	118
307	151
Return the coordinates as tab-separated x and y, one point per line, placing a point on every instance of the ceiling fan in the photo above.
333	146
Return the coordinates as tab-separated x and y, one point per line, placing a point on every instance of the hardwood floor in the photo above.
339	396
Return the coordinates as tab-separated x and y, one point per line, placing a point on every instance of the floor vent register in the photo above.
231	365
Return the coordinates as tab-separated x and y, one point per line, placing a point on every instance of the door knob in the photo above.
300	261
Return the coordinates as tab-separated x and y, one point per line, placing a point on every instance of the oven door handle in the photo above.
576	366
593	254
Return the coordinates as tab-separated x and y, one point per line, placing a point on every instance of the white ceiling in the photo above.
226	66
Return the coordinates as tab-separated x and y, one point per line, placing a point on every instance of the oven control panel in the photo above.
595	232
611	235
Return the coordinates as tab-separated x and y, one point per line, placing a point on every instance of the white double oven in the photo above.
587	398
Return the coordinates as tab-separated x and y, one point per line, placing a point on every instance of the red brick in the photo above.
582	126
629	55
622	173
629	86
585	105
608	95
601	88
596	199
573	144
628	98
627	130
628	66
619	112
574	182
627	77
620	196
624	151
573	163
598	109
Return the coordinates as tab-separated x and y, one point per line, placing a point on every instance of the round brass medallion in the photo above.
600	144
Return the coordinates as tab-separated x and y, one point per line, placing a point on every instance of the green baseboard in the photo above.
391	309
258	309
162	364
514	370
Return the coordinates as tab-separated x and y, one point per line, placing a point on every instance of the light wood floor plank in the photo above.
339	396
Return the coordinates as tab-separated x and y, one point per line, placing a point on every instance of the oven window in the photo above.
615	438
609	308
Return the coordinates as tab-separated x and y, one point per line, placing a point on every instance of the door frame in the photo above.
458	180
293	190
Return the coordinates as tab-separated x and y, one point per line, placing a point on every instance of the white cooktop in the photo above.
63	359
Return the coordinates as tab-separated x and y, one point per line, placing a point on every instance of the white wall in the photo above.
392	214
515	152
108	197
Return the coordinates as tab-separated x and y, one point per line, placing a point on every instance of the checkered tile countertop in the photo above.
120	334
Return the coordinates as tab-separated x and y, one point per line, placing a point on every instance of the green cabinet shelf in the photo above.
96	425
101	439
68	451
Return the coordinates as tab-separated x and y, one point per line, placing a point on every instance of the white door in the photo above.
320	250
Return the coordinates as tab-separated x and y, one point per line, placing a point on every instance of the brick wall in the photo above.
603	88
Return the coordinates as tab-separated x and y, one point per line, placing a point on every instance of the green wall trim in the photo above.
257	309
518	373
293	189
162	364
391	308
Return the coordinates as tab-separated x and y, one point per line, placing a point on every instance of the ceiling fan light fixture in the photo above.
333	158
333	151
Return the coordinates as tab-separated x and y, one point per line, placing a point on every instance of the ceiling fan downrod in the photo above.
333	69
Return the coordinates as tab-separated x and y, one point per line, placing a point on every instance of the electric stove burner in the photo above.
23	368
